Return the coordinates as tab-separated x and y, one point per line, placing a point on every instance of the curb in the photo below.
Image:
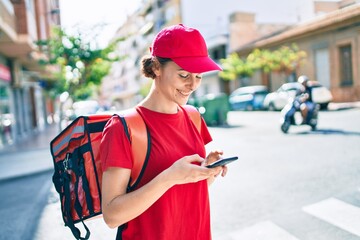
24	175
23	163
343	106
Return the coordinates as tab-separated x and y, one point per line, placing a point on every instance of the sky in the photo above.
112	13
85	14
266	11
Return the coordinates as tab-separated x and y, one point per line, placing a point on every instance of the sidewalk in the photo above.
34	141
28	156
342	106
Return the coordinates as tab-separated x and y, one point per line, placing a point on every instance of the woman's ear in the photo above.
157	71
156	68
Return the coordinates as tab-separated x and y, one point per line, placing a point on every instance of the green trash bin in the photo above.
213	107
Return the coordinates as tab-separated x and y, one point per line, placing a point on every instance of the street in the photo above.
302	185
266	192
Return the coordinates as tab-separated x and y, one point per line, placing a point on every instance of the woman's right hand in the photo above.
185	170
120	207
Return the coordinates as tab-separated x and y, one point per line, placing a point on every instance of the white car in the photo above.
85	107
277	100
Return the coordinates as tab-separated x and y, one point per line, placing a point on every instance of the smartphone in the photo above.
222	162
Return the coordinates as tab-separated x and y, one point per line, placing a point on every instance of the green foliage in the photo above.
81	67
284	59
288	59
85	92
234	66
262	59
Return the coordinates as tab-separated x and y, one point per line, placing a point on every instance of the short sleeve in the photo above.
115	148
205	134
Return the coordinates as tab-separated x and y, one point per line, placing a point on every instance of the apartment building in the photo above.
24	107
122	88
332	44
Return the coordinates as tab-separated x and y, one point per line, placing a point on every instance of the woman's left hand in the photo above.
214	156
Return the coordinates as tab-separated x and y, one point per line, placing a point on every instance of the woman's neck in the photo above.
158	103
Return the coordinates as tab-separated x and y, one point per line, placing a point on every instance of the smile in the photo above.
185	94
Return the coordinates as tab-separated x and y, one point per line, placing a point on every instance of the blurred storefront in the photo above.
6	116
24	106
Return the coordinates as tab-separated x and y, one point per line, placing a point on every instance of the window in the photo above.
346	72
8	5
218	53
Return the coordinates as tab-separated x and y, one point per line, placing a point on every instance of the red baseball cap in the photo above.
185	46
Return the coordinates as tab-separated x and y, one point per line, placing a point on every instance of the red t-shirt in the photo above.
183	212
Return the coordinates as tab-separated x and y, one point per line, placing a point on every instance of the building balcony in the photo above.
7	21
14	43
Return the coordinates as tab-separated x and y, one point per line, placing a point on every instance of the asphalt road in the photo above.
21	203
283	187
278	176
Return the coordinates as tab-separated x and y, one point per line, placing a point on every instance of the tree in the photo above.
235	67
80	66
284	59
289	59
265	61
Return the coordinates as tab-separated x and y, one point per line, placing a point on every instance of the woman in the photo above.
171	201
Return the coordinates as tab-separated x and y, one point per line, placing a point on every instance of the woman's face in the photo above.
176	84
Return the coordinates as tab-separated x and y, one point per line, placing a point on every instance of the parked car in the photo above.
82	108
321	94
278	99
248	98
85	107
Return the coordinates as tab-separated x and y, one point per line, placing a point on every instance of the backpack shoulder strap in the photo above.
139	137
194	115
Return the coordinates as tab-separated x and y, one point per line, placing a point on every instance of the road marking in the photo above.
338	213
262	231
